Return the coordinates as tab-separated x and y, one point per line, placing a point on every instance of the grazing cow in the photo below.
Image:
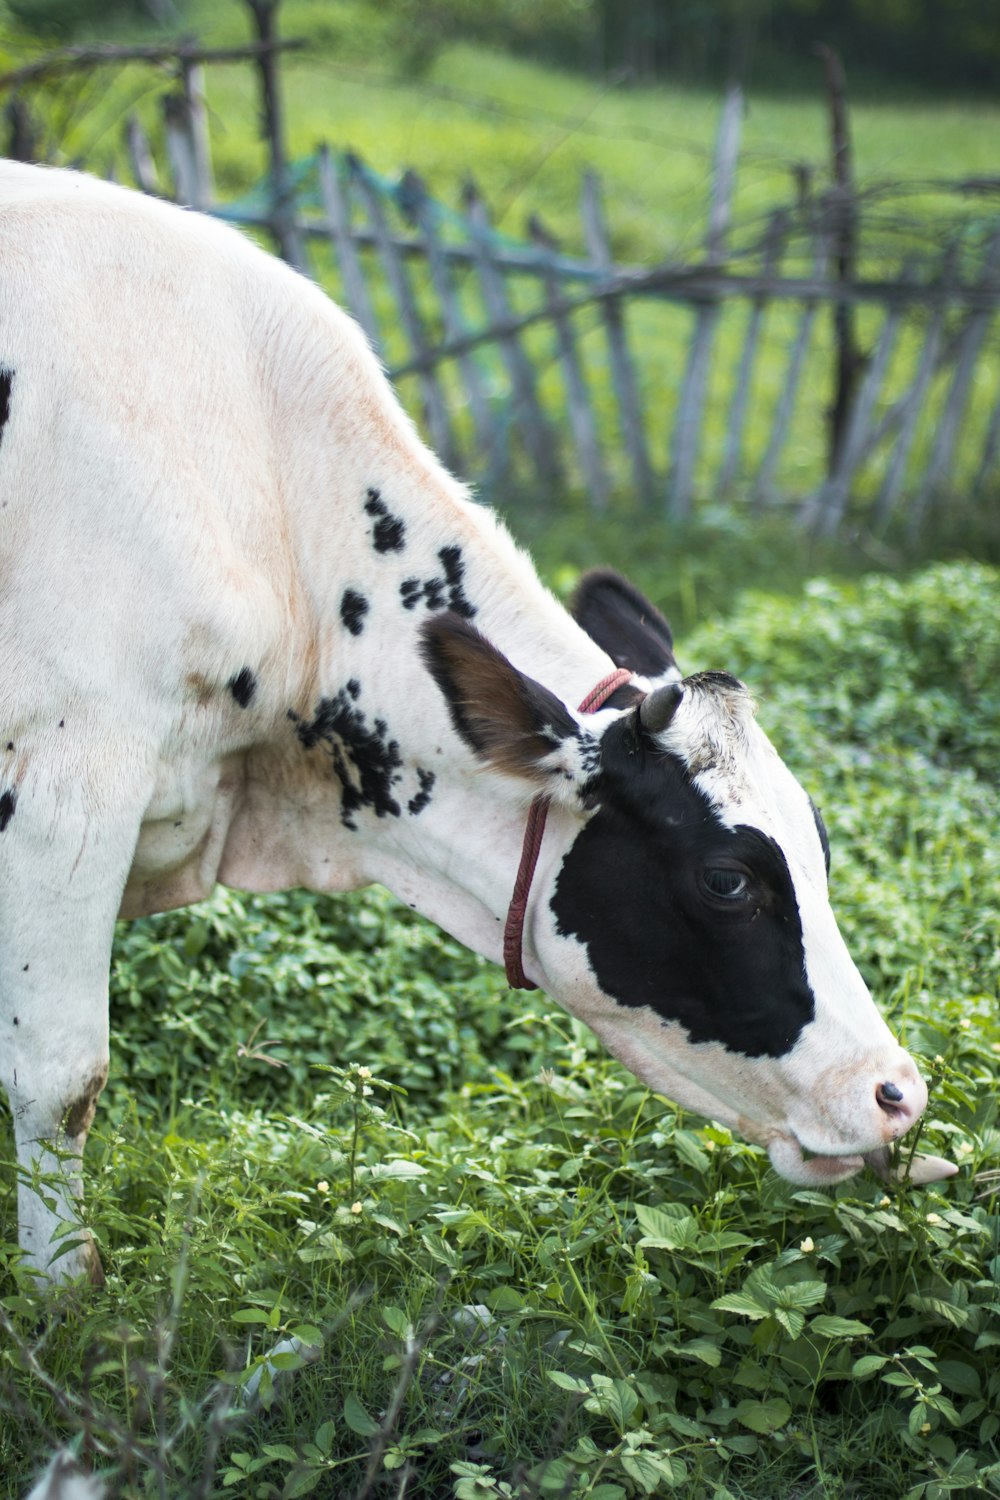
252	632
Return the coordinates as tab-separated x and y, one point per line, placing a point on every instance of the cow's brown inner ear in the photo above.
508	719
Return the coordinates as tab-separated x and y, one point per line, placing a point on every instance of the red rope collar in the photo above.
513	933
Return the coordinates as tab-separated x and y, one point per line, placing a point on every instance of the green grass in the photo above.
663	1314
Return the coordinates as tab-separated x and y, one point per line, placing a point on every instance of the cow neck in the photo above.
513	933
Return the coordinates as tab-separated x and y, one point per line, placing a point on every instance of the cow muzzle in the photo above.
872	1114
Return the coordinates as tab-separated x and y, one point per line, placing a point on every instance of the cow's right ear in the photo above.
509	720
624	624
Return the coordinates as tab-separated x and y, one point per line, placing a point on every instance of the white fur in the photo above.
193	429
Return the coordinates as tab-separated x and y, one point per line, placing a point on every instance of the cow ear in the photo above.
508	719
624	624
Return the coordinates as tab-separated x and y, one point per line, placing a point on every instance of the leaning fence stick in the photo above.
337	207
435	408
694	389
622	371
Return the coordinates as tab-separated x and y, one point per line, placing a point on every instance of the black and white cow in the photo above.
251	631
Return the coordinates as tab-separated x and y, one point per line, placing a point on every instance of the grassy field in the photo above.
497	1267
509	1270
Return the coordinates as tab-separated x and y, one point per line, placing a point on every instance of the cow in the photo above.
253	632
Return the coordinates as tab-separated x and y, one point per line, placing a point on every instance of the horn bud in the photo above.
658	707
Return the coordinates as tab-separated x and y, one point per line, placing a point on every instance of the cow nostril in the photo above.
888	1096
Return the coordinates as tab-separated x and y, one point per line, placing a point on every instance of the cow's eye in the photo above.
726	884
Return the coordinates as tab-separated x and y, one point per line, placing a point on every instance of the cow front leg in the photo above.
49	1142
62	872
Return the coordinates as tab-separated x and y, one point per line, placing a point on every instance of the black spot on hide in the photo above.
6	381
8	802
389	532
419	802
243	686
445	592
365	760
353	608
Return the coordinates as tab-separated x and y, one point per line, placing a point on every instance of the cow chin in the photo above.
788	1161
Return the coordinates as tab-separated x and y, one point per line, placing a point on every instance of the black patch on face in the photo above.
419	802
389	532
6	381
8	802
353	608
445	592
243	686
632	889
366	761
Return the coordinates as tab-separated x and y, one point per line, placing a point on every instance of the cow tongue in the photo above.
920	1170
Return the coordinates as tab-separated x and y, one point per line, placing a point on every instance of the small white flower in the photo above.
322	1187
807	1246
934	1219
885	1201
357	1208
364	1072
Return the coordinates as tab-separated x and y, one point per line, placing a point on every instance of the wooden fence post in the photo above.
435	407
950	422
186	126
694	390
581	413
843	238
417	202
825	511
141	157
283	220
539	440
337	206
763	491
777	233
595	234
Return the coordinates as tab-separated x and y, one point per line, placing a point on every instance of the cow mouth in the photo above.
790	1161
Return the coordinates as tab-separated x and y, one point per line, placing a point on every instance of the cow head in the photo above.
681	907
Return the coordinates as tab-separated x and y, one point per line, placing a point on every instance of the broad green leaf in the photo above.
614	1399
646	1469
281	1452
357	1418
665	1232
741	1302
384	1170
959	1377
302	1483
802	1294
791	1320
830	1327
764	1416
569	1383
397	1321
704	1349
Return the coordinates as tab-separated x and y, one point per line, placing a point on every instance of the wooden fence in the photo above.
784	366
